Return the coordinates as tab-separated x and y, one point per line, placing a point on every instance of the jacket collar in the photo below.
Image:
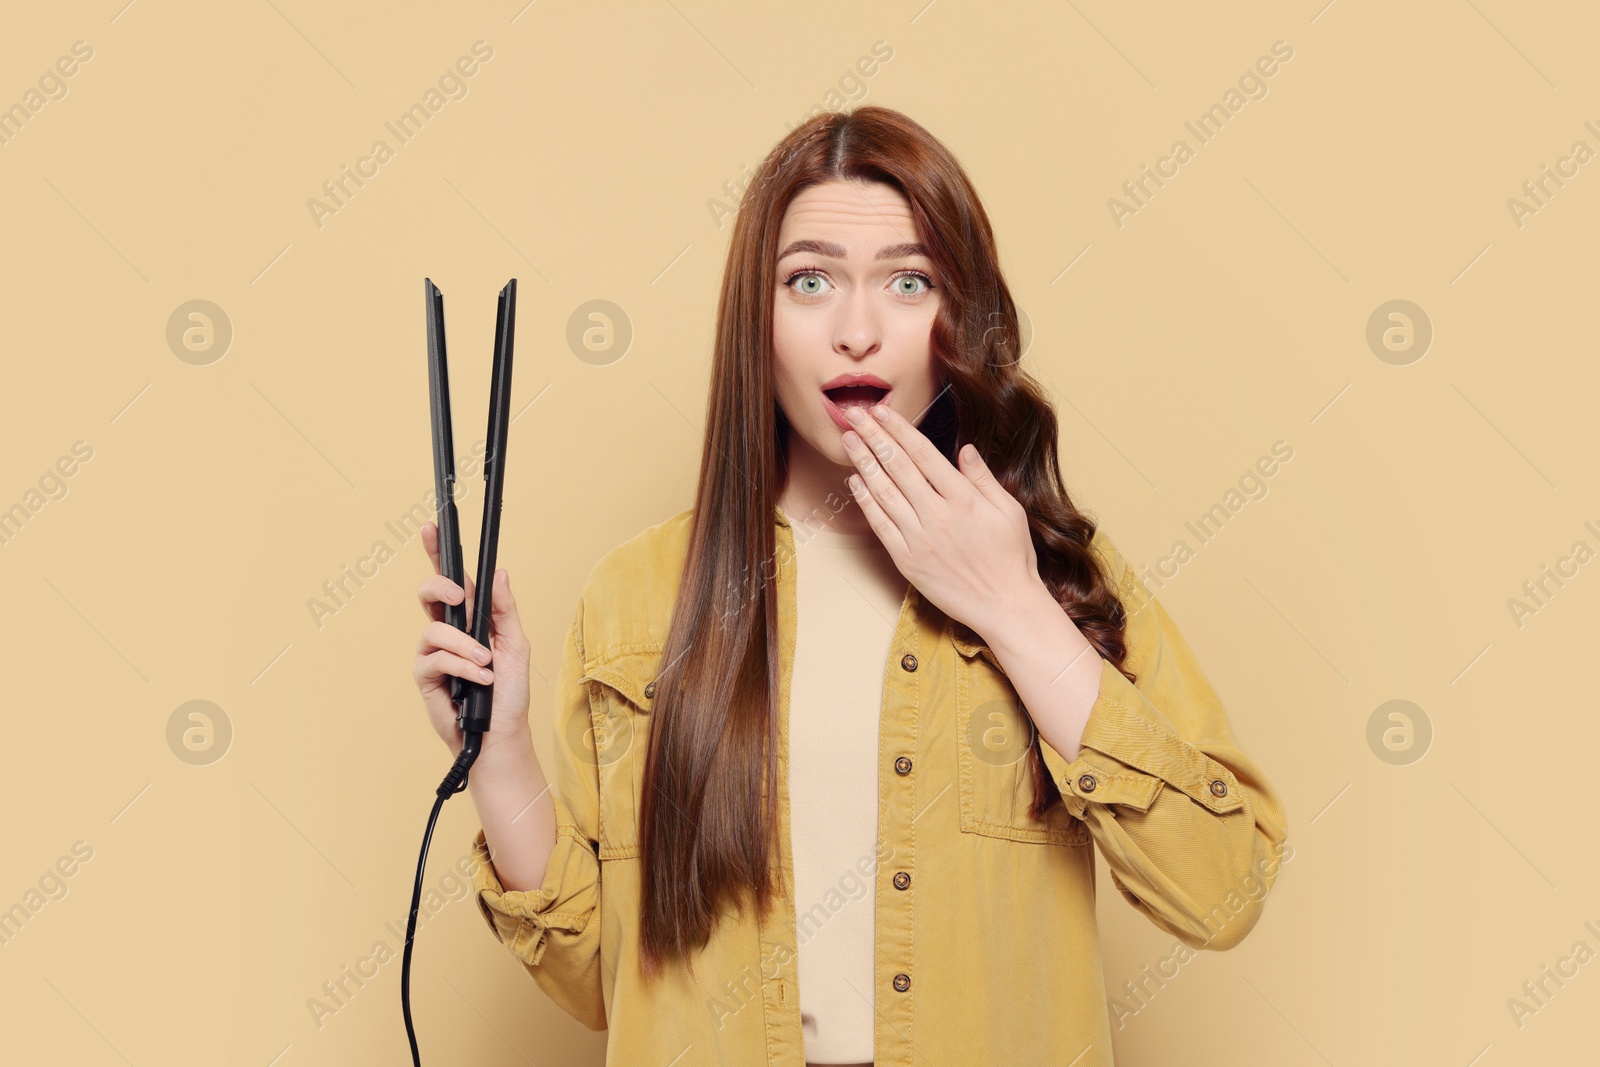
632	669
966	640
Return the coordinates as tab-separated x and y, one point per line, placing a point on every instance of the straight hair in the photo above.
709	813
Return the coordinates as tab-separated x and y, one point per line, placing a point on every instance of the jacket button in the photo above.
1086	784
1219	788
902	765
902	982
901	879
908	661
650	690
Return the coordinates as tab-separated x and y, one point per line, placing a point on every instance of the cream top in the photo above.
848	598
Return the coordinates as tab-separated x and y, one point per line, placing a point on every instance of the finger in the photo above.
436	591
885	490
430	544
430	541
503	610
439	665
908	478
439	634
877	518
977	472
923	453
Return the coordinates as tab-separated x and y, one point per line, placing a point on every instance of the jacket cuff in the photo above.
564	901
1129	751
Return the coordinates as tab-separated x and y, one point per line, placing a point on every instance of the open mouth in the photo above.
839	399
844	396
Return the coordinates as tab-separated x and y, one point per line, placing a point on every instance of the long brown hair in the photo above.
709	814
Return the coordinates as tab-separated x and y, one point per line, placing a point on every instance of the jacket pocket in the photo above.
621	699
993	762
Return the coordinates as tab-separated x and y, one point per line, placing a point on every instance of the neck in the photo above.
817	490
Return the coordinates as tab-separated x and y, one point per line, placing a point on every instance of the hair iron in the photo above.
473	700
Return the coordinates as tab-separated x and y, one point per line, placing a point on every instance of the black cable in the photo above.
454	782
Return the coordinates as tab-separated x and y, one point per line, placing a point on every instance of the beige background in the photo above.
1228	313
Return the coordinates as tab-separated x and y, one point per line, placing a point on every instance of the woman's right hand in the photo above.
445	652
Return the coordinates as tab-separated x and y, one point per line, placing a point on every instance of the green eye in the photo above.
812	283
915	276
809	282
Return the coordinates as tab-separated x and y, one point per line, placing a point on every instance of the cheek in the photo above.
794	333
914	340
794	355
914	334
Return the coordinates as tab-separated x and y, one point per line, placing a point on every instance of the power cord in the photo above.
454	782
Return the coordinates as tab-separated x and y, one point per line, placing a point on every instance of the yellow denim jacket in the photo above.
986	945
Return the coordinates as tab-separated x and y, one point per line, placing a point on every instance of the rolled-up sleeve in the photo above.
1191	829
555	929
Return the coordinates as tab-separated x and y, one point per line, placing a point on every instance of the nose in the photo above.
857	332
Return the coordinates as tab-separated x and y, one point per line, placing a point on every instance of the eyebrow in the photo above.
836	251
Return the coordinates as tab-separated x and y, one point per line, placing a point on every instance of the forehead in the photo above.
859	215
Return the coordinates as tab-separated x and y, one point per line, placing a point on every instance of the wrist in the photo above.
504	752
1036	623
1019	614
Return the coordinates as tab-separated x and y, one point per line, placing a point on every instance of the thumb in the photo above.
503	610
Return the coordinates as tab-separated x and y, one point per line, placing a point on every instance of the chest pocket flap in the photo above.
631	672
619	708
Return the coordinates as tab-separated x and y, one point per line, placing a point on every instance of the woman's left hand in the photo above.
955	534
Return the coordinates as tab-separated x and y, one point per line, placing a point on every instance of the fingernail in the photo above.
853	413
881	411
482	654
484	675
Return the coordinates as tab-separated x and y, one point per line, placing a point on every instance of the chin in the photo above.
831	447
836	454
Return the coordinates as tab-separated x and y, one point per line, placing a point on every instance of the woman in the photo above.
834	746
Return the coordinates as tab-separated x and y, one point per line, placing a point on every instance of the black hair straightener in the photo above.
473	700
